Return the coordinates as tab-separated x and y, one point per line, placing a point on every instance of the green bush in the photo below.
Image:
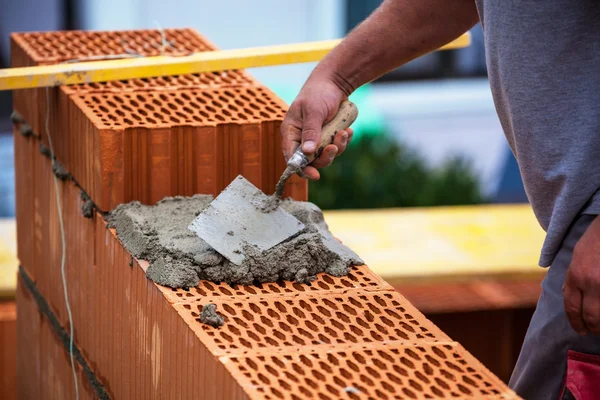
376	171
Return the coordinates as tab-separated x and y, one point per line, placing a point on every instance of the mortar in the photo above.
178	258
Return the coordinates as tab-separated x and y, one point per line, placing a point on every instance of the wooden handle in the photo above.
345	116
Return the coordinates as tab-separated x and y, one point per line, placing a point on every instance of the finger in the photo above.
327	156
341	141
311	131
350	134
591	311
291	135
573	308
311	173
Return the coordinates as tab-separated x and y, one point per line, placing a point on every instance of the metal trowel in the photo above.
242	215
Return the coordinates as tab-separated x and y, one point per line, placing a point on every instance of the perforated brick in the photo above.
44	48
60	46
360	277
385	372
259	322
160	109
139	346
208	80
196	141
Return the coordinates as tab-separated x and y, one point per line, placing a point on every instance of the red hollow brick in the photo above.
196	141
45	48
378	371
143	342
59	46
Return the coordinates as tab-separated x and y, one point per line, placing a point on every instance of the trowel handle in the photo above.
345	116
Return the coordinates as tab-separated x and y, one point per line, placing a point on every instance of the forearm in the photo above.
396	33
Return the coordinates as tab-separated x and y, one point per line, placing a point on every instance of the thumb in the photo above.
311	131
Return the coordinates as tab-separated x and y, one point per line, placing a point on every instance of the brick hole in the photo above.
343	317
298	287
291	319
373	309
422	377
394	378
337	324
454	367
229	309
323	285
128	121
469	381
299	370
298	340
279	335
246	343
463	389
226	337
407	362
277	393
220	117
442	384
409	393
324	311
285	326
305	391
433	361
437	391
439	353
254	336
412	354
273	314
246	314
388	387
234	330
415	385
407	326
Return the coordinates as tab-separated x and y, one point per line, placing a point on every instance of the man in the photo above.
543	61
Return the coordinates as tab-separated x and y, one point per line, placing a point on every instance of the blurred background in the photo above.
428	130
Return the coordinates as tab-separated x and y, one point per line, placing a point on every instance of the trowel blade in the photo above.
233	220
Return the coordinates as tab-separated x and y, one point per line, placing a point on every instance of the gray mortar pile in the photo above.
179	258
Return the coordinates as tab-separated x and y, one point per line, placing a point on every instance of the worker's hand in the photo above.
582	285
315	105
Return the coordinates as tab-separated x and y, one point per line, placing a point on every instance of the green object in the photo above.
376	171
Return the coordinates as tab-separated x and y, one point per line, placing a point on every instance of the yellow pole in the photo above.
146	67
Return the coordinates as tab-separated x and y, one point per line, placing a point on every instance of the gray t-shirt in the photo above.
543	60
